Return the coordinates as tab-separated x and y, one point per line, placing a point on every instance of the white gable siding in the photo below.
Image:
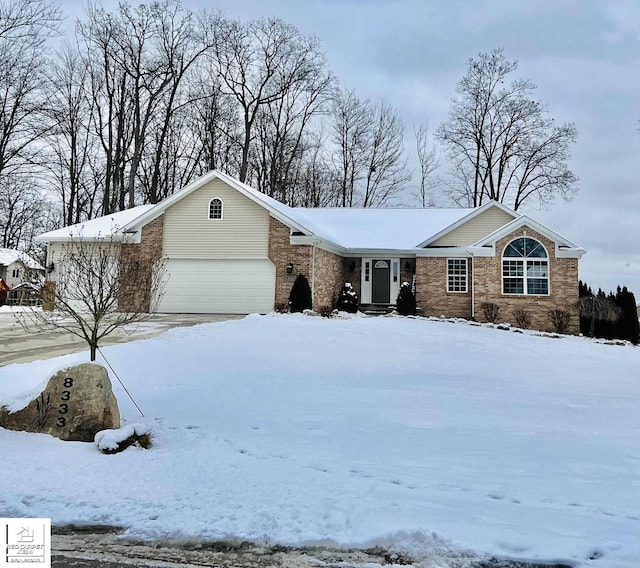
242	233
474	229
21	277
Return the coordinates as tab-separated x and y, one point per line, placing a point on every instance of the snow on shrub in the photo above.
114	441
406	301
347	299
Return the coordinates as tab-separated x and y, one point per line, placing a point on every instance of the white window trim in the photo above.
221	209
466	277
525	279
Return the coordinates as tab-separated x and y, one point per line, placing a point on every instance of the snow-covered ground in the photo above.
295	429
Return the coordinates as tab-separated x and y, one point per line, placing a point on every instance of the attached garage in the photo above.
218	286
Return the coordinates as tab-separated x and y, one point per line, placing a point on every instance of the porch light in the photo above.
290	268
352	266
51	267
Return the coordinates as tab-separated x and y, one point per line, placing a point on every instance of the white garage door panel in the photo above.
218	286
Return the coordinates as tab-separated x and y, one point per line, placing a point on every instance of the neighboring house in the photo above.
231	249
21	275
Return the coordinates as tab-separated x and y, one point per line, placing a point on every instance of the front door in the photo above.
380	282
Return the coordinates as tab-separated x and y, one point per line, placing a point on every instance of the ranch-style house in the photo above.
229	248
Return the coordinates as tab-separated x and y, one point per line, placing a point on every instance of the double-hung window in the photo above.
525	268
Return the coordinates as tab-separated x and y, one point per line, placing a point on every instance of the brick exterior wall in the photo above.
431	290
136	262
329	268
434	300
281	253
328	279
563	287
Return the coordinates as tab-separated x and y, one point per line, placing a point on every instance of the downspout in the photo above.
313	275
473	288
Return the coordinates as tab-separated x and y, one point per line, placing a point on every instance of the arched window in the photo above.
525	267
215	208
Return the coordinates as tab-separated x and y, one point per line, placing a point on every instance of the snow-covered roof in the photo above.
100	228
339	228
377	228
9	256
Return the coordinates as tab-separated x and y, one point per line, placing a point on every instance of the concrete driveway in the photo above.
20	346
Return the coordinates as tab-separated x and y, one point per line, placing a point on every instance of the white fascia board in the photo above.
351	253
313	240
116	238
468	217
382	253
564	248
570	253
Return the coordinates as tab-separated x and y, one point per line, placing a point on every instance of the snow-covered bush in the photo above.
114	441
406	301
347	299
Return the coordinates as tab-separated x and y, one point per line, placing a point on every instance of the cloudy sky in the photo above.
584	56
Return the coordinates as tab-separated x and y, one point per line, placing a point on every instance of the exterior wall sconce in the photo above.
409	268
352	266
289	269
51	267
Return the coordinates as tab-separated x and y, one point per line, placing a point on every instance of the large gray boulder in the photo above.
77	403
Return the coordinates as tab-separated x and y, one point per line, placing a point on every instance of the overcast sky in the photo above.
584	56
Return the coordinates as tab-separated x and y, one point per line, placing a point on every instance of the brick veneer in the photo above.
328	278
281	253
135	290
433	298
431	290
563	287
329	269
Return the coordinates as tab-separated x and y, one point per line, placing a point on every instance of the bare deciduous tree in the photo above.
23	212
386	169
428	163
352	122
75	171
24	27
30	20
260	62
502	141
92	280
369	160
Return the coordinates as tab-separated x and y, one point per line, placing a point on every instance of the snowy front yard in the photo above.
292	429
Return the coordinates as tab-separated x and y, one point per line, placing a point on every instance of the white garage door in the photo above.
218	286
